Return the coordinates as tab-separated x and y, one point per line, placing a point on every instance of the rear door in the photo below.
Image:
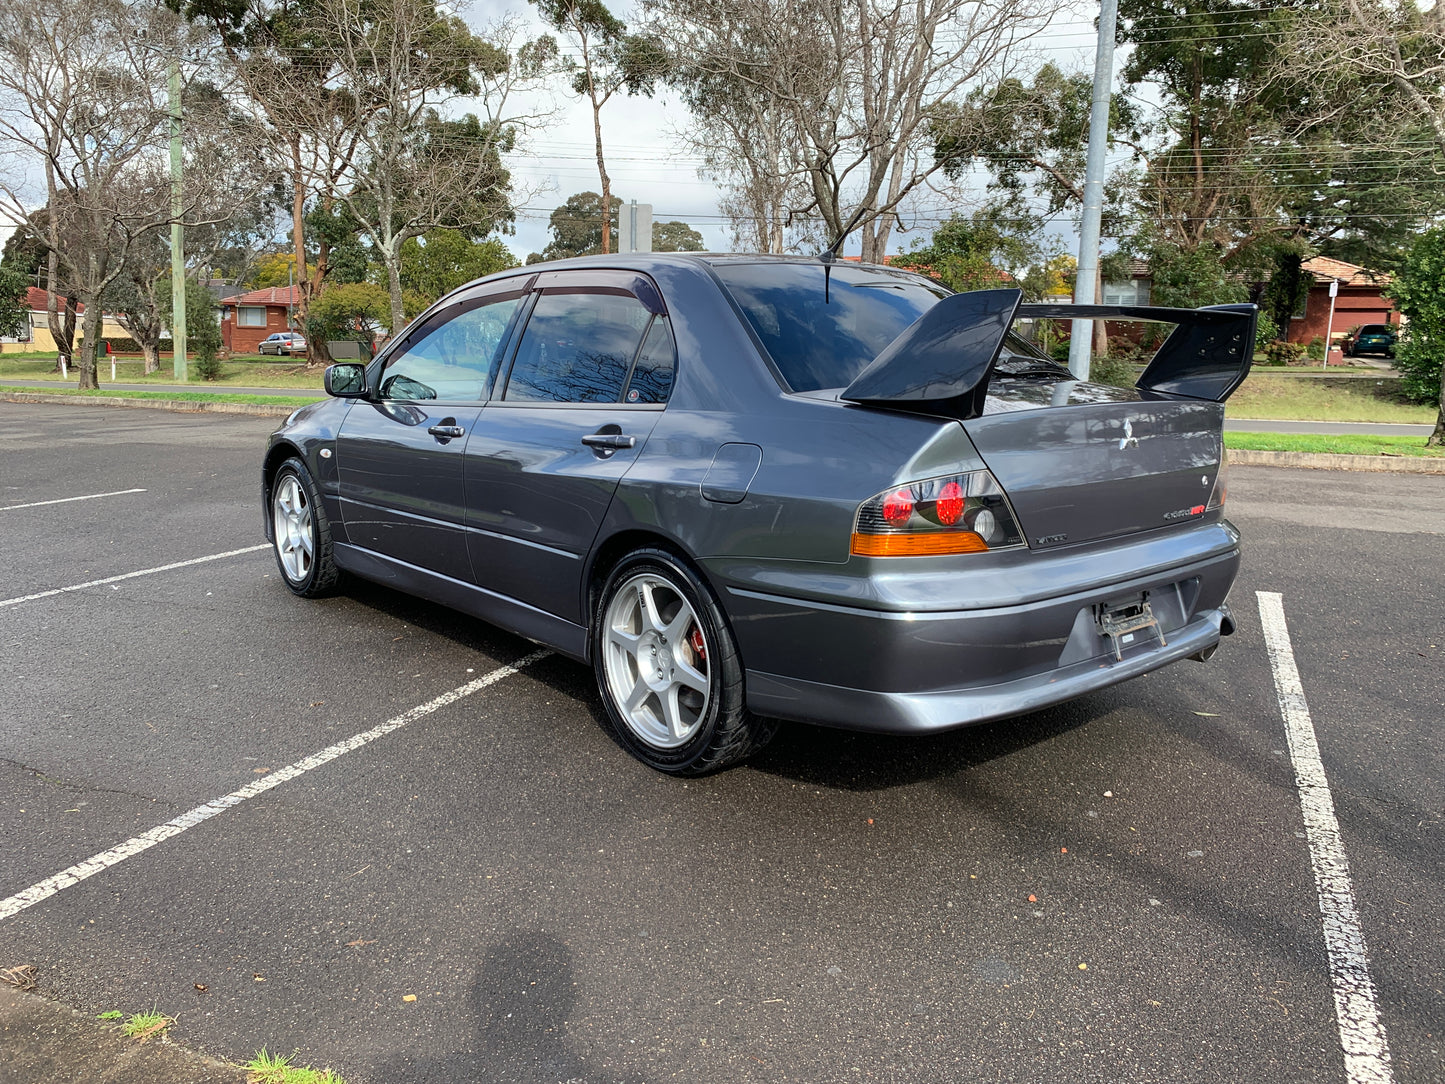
399	453
592	369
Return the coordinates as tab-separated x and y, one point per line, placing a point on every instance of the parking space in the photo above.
1117	888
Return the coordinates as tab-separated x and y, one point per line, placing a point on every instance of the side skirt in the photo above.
527	621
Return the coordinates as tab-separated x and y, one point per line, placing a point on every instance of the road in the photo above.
1117	888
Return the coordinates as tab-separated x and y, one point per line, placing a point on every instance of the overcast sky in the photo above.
639	145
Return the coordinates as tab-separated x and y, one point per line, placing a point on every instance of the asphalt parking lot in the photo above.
1119	888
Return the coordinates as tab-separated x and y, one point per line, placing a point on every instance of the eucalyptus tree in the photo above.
609	60
82	104
412	167
851	89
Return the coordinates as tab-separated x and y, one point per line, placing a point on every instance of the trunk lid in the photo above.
1081	462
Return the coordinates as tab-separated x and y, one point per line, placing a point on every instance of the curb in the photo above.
46	1042
1239	457
186	406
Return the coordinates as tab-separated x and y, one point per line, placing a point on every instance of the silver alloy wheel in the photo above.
654	654
291	520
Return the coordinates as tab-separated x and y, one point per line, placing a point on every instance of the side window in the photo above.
452	356
578	348
652	375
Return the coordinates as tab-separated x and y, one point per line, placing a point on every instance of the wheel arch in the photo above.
615	548
275	456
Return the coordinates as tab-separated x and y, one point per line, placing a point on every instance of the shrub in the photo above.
1281	352
1265	331
1120	369
1316	349
1419	290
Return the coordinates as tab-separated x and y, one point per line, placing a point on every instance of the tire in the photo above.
301	533
687	717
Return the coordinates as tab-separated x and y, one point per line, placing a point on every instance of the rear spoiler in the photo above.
943	361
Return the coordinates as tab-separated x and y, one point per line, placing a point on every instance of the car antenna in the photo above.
828	256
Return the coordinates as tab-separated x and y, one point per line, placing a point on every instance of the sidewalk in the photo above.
44	1042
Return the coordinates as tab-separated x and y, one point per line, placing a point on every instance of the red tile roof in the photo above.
1324	269
35	299
270	295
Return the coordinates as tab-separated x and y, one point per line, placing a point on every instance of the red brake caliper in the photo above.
699	646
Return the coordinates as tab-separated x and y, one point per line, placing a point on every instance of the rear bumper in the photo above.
896	672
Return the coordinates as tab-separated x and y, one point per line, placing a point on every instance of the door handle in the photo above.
446	432
610	441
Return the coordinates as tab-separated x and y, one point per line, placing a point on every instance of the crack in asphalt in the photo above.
85	788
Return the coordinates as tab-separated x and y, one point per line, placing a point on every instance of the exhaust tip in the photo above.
1206	654
1226	620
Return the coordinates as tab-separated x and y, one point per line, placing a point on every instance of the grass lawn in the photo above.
241	371
1349	444
171	396
1268	395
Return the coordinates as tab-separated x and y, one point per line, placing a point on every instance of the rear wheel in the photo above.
301	532
668	669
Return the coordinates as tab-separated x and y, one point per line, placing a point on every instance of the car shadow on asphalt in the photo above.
820	756
521	1001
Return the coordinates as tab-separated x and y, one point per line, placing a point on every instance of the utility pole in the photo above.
178	256
1084	284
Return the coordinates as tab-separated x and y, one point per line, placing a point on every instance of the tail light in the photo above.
962	513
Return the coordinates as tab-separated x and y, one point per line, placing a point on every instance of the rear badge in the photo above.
1128	440
1185	513
1046	539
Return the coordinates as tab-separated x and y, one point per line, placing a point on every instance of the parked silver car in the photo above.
283	342
750	488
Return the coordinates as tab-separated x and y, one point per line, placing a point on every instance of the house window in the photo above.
251	316
1132	292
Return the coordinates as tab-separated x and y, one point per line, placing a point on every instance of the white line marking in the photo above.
132	575
132	847
67	500
1367	1052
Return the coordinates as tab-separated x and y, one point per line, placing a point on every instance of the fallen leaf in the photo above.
258	978
1083	967
1033	899
316	703
408	997
22	976
870	820
1208	714
201	987
1063	850
159	1025
354	944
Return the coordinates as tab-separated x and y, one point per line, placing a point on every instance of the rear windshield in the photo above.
1374	329
822	327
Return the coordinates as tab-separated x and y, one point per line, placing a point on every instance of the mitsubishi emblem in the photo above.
1128	440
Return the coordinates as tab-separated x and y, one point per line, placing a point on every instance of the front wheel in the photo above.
301	532
668	669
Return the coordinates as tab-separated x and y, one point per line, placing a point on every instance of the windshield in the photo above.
823	323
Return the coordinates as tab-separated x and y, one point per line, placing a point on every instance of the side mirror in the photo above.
346	380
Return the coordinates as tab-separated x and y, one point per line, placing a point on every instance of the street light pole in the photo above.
178	256
1079	340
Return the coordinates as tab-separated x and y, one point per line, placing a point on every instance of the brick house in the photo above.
248	318
1360	301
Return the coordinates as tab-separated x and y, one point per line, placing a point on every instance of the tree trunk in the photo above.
606	180
1437	438
152	354
393	287
91	338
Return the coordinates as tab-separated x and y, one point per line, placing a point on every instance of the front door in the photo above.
399	453
591	372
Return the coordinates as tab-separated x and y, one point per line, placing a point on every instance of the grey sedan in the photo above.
748	488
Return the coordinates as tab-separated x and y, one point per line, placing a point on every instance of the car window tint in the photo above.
652	375
822	326
577	348
1374	329
452	356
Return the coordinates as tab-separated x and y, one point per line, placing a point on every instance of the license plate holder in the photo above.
1122	624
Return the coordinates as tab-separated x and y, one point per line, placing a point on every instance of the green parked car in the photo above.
1371	339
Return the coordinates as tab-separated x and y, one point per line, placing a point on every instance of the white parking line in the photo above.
130	848
1367	1052
132	575
67	500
